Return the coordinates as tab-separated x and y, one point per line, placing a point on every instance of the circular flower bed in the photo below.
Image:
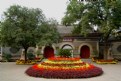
64	68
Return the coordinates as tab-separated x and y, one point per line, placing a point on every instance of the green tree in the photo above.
105	14
24	27
49	32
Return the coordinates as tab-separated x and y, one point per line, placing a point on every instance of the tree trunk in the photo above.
25	54
106	47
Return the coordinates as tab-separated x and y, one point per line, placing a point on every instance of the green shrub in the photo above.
7	57
38	53
95	53
64	53
30	56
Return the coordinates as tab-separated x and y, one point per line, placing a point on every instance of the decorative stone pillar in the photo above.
22	55
36	51
109	55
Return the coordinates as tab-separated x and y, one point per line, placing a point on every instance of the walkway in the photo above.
12	72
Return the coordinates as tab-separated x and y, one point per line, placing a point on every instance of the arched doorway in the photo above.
48	52
67	46
85	52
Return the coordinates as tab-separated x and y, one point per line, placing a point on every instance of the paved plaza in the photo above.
12	72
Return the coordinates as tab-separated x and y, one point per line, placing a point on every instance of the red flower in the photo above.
64	70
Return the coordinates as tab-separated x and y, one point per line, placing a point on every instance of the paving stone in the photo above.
9	71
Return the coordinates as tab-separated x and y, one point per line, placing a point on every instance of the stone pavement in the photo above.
9	71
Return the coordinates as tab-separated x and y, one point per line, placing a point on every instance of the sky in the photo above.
51	8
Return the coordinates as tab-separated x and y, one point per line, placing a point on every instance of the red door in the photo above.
85	52
48	52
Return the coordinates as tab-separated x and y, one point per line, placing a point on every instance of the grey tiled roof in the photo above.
64	29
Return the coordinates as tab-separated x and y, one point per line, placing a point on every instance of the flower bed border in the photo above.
60	68
106	61
103	61
28	62
63	73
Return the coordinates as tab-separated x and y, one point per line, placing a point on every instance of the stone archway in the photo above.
86	44
48	52
69	47
66	43
85	52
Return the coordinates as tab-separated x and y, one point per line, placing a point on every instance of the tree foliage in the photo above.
105	14
49	32
20	26
25	27
102	13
